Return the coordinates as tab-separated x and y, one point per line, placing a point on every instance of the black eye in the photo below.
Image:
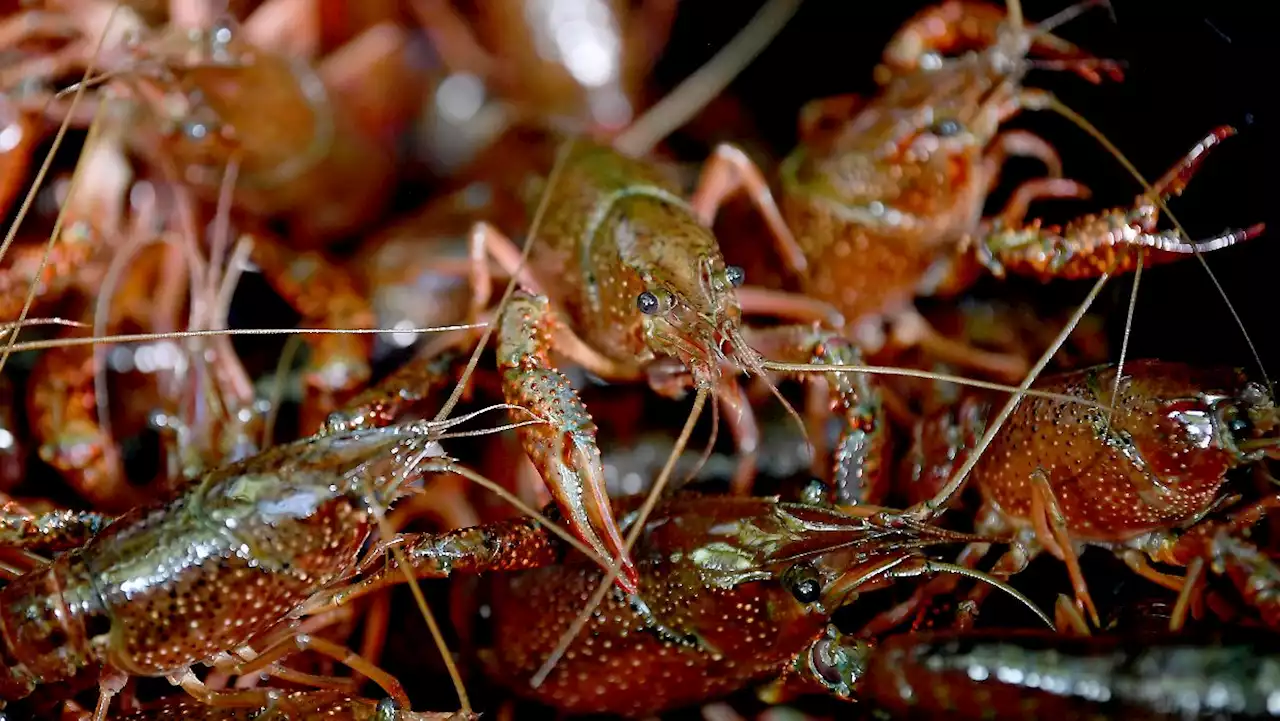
946	128
647	303
1240	425
805	586
814	492
735	274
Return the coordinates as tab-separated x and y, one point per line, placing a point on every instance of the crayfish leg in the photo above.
918	603
794	307
745	432
1138	563
410	387
110	685
909	329
485	242
1051	531
730	171
1019	144
1037	189
453	39
1190	596
226	698
34	25
373	73
564	447
859	473
1254	574
341	654
674	381
1067	616
513	545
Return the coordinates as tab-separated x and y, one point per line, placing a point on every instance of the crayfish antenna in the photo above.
275	396
1069	617
384	527
101	310
904	566
926	375
1066	15
6	327
180	334
992	581
711	445
1015	12
1128	331
695	91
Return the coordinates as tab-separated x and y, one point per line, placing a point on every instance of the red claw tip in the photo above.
1223	132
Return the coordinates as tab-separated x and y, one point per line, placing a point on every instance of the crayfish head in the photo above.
946	116
1250	422
691	315
914	152
830	555
1196	424
946	95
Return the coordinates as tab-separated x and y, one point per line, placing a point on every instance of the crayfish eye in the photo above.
814	492
736	275
647	303
387	710
946	128
805	586
1239	425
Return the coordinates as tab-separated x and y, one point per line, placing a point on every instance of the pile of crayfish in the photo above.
363	358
